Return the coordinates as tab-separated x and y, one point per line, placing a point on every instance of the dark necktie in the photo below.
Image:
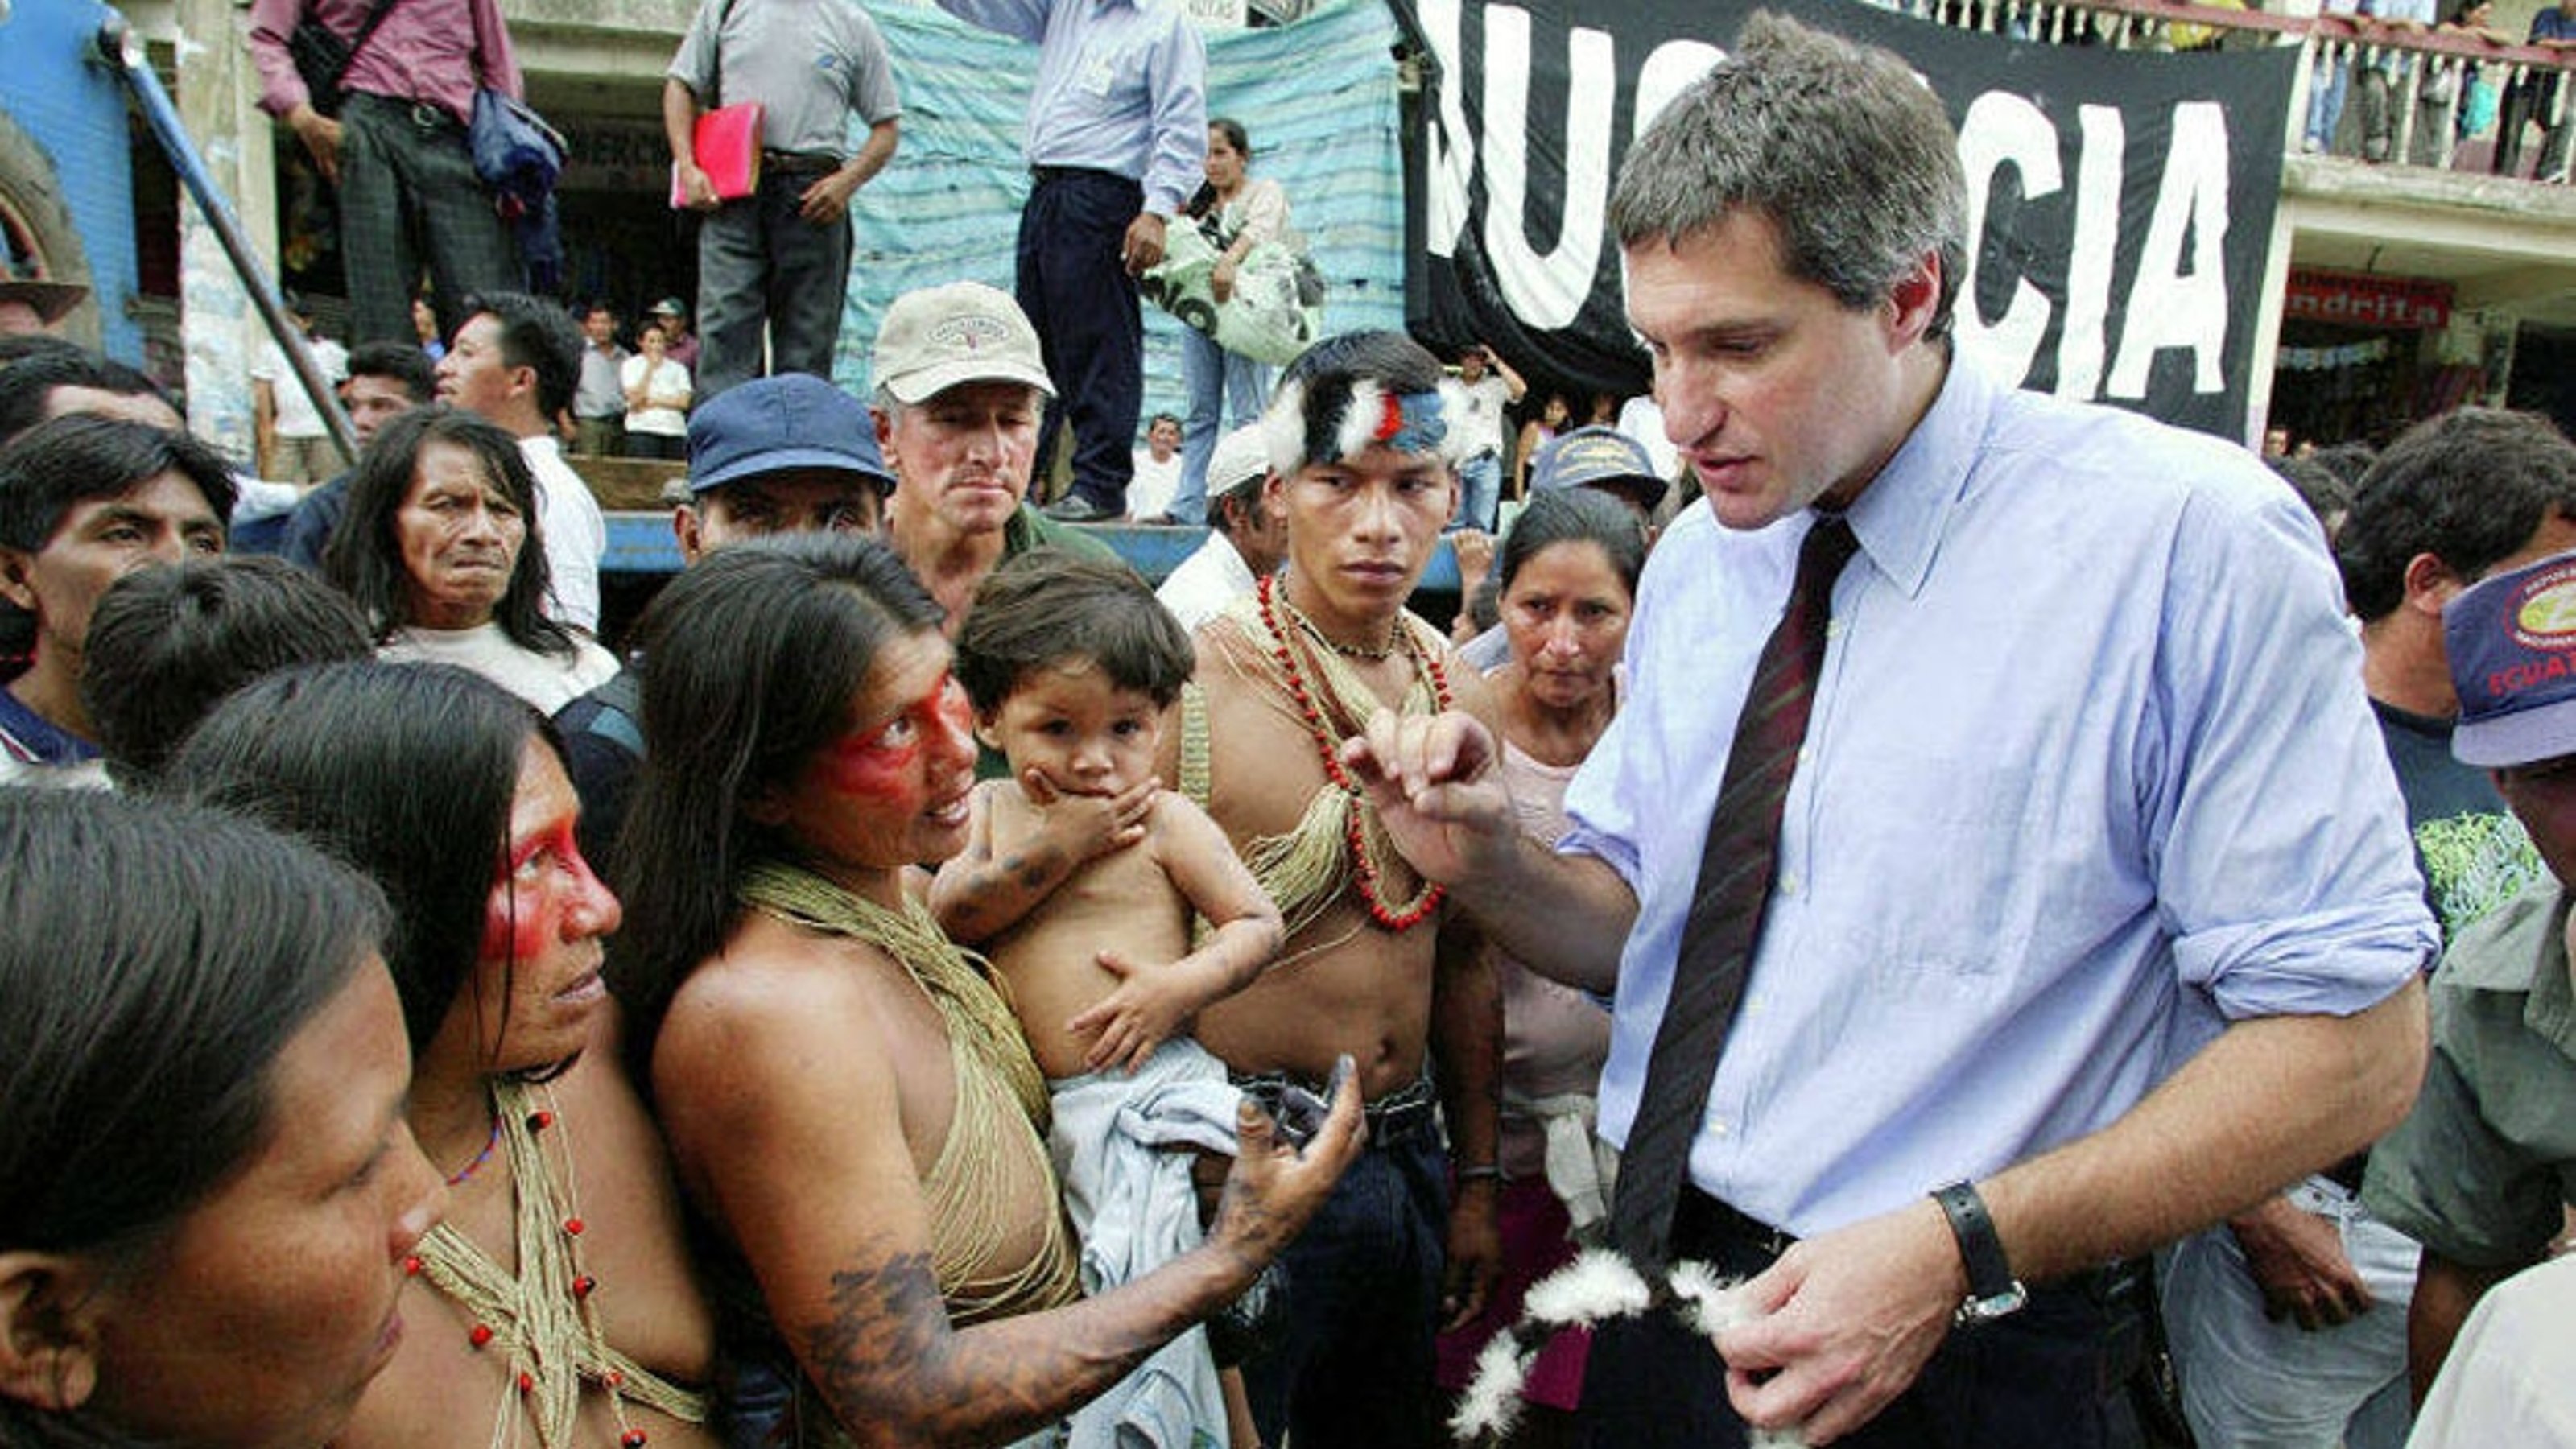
1725	921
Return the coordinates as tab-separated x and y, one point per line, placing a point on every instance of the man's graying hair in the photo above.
1839	144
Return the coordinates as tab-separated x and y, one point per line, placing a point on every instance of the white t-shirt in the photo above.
1640	418
296	416
1206	582
547	681
576	533
670	380
2511	1375
1480	423
1150	491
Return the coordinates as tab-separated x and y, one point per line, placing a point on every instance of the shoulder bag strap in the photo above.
366	28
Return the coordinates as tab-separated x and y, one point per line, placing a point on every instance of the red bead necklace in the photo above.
582	1285
1412	913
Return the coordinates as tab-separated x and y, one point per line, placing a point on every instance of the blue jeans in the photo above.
2325	102
1480	492
1219	382
1354	1366
2248	1381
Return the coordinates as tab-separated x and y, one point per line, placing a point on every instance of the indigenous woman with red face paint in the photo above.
556	1307
847	1095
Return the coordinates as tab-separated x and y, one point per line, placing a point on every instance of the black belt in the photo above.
798	163
1704	1227
424	115
1068	173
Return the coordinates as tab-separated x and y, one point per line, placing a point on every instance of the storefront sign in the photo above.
2360	299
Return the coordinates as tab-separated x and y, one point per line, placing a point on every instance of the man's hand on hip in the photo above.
2296	1257
1141	250
1848	1321
828	200
321	137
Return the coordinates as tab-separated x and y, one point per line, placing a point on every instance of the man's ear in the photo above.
48	1330
2431	583
684	531
1914	298
15	566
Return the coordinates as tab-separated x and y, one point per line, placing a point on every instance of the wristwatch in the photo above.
1993	1291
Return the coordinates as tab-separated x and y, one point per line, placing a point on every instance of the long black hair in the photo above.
155	960
365	558
407	771
754	658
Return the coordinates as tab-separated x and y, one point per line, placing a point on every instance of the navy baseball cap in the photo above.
770	424
1598	457
2512	642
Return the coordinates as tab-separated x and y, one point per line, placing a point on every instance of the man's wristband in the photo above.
1992	1290
1482	1172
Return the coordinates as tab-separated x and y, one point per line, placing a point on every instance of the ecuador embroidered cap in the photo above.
1597	457
771	424
2512	642
934	338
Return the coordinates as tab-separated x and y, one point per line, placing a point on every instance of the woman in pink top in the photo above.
1569	581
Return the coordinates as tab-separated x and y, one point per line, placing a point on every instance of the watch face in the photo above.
1993	1306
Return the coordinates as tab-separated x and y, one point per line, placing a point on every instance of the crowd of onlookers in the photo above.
1910	920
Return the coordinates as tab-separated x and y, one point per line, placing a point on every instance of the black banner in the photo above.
2121	201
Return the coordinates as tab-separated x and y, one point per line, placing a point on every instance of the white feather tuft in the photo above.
1360	419
1597	1285
1283	429
1491	1406
1709	1304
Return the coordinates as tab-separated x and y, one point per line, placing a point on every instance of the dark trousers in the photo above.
408	193
763	265
1353	1369
2526	101
2053	1376
1090	330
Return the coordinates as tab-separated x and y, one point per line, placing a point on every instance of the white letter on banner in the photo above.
2166	308
2002	129
1545	292
2101	164
1452	157
1668	72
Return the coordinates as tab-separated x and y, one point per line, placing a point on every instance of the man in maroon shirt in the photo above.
396	148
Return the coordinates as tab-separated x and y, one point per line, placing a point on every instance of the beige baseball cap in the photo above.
1241	459
937	337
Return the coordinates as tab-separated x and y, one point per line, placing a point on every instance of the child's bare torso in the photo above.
1124	902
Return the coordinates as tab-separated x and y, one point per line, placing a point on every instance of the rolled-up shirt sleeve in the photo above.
2275	832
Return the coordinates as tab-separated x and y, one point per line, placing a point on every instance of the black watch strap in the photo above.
1992	1290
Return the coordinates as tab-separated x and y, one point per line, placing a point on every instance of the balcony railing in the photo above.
2402	93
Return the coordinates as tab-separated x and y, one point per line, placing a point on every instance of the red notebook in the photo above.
727	141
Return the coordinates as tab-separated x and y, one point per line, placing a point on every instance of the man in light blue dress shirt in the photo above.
2091	916
1117	141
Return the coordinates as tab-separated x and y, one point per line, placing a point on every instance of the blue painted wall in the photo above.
1318	98
73	108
